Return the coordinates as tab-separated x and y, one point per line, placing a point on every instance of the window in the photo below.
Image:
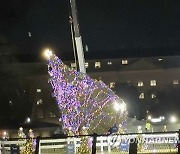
39	102
112	84
52	115
86	48
98	64
73	65
124	62
109	63
10	103
140	84
175	82
29	33
153	95
141	96
86	64
38	90
153	83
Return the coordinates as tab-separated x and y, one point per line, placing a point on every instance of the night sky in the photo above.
127	28
109	28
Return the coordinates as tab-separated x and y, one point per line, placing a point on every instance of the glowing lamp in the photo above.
48	53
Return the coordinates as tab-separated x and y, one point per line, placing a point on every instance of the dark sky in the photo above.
123	27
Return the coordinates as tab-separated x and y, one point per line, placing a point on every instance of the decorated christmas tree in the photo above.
29	141
84	102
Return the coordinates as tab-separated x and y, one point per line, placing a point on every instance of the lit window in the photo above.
73	65
29	33
86	48
153	95
109	63
112	84
52	115
175	82
140	84
141	96
97	64
38	90
153	83
10	103
39	102
124	62
86	64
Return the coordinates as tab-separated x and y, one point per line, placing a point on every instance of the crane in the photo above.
76	36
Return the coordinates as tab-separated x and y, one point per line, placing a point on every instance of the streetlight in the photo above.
48	53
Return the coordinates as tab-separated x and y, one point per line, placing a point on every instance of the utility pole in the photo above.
77	37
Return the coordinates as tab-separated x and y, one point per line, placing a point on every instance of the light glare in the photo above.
155	120
120	106
4	133
149	117
48	53
28	120
173	119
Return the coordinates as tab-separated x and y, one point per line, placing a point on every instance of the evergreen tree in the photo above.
84	102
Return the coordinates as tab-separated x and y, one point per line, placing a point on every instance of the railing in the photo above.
159	143
5	145
123	143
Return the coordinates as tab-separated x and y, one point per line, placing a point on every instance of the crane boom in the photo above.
77	37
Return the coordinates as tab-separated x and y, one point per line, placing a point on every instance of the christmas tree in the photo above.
29	142
84	102
28	146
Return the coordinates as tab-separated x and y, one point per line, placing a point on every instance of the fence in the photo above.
145	143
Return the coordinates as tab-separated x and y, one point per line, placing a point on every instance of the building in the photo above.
149	85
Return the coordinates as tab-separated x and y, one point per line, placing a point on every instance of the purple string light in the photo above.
80	98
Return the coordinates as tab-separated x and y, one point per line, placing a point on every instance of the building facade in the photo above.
149	85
